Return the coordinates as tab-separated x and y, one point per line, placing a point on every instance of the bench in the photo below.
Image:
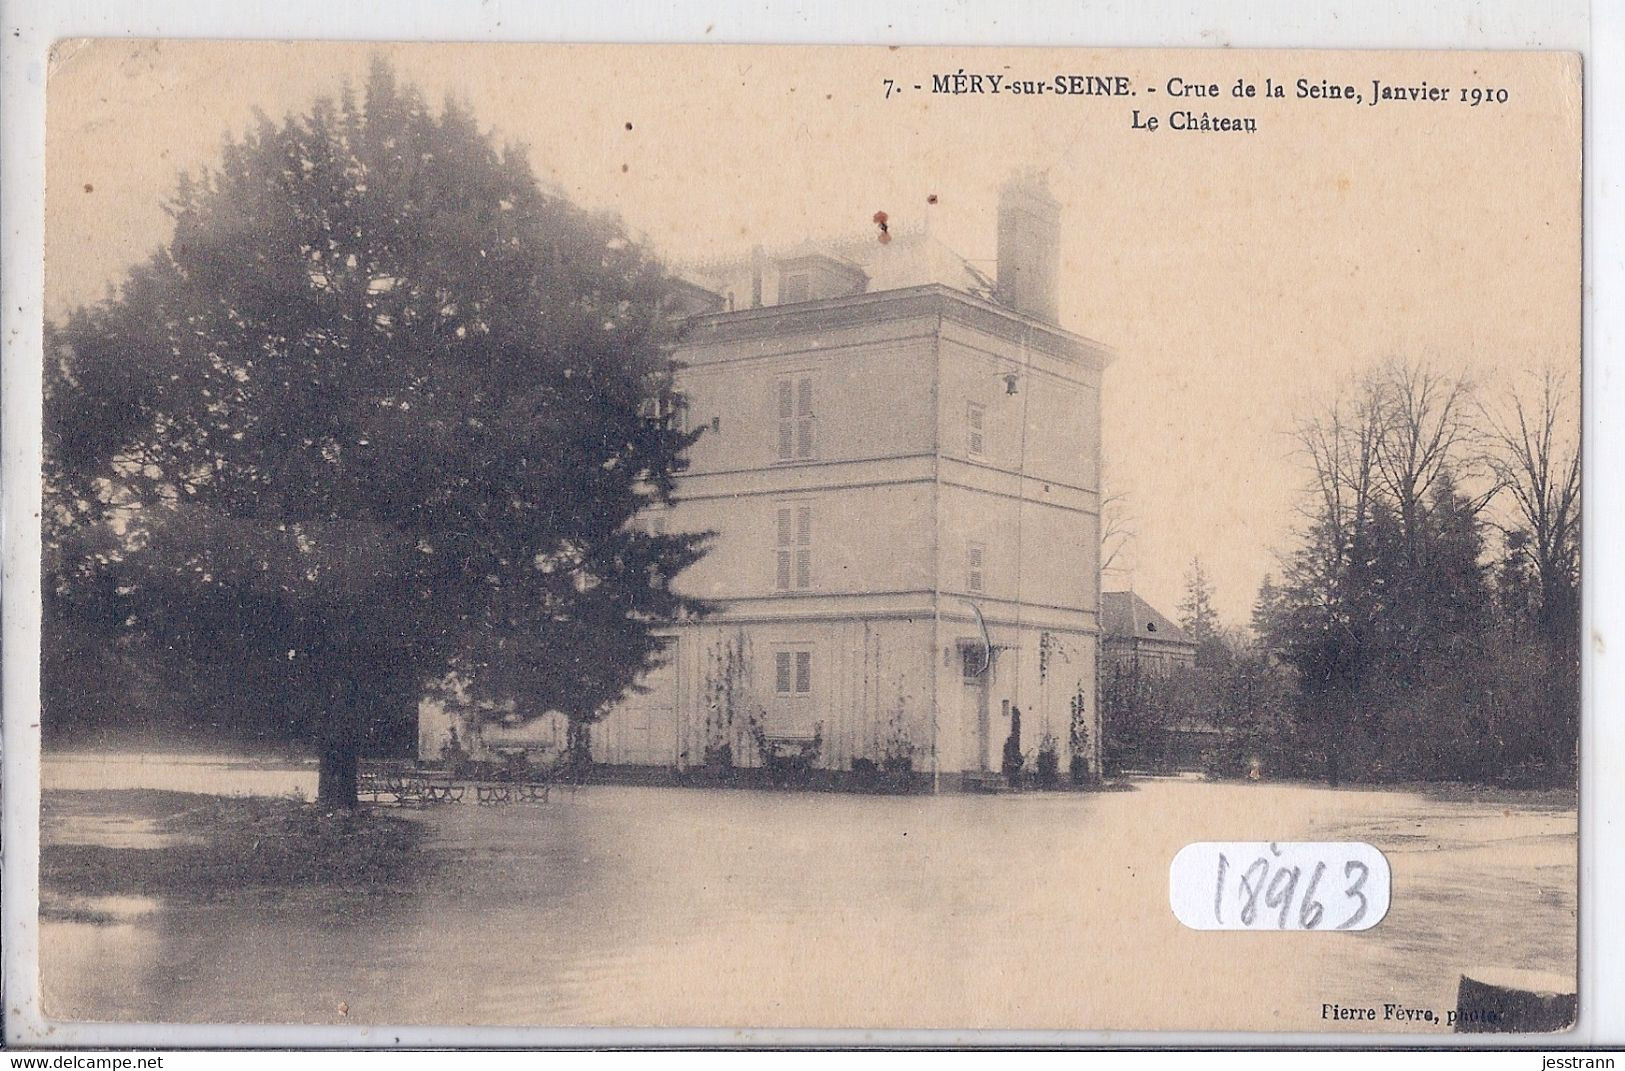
511	791
788	760
438	786
406	785
984	781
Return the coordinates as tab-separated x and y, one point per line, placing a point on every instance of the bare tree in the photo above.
1539	466
1340	445
1116	529
1427	439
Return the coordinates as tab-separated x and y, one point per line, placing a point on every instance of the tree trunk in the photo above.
336	785
341	751
579	741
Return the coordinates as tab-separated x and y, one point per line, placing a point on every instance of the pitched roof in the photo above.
1123	613
909	258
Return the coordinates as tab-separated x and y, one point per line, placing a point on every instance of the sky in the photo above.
1238	278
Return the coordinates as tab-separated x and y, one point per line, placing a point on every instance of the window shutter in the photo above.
803	672
781	682
804	419
803	546
782	577
973	420
973	557
785	391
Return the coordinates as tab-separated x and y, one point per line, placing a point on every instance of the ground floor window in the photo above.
793	672
792	713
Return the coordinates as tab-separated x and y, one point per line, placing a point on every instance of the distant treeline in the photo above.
1426	624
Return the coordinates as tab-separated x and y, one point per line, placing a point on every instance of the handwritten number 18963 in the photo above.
1278	887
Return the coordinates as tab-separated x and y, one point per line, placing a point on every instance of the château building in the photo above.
900	458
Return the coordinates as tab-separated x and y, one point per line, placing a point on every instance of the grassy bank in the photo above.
149	843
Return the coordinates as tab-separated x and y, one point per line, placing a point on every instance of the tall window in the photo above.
793	565
974	438
975	573
793	396
791	708
975	659
792	672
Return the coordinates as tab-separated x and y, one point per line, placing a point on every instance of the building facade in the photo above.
1137	634
1147	666
902	475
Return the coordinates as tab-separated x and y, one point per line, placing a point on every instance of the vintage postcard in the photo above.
810	537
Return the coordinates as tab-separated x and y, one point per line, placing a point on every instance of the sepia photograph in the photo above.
837	537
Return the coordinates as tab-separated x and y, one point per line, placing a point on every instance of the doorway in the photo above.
976	673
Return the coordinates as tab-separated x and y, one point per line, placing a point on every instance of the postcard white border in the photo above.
30	26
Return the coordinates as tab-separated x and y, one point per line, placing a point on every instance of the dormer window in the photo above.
794	287
814	276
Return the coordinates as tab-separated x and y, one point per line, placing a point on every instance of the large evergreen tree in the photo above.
1415	653
381	409
1385	596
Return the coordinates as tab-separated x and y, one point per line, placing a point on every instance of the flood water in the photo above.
662	906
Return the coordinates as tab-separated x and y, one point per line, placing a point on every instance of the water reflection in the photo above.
643	906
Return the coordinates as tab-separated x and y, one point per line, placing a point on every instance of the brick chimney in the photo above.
1029	247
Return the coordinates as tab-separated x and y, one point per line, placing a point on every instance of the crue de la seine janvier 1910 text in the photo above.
1204	107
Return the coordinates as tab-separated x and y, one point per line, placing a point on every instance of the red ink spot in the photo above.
880	221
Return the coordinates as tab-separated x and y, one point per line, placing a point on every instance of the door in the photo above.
647	732
976	671
793	715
